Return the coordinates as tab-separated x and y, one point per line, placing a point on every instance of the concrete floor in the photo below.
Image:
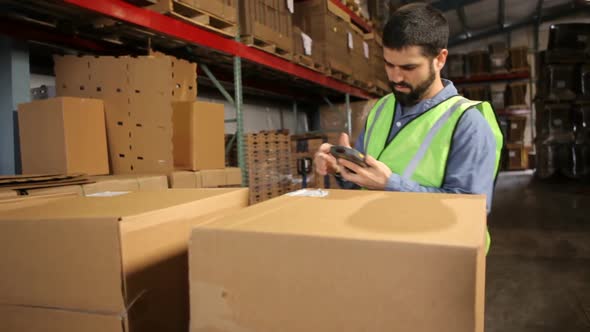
538	268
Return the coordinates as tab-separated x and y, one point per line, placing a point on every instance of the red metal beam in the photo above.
353	16
29	31
146	18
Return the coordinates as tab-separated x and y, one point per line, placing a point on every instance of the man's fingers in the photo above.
325	163
350	165
325	148
372	162
344	140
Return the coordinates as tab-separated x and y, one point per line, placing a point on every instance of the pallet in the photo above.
307	61
195	16
262	45
347	78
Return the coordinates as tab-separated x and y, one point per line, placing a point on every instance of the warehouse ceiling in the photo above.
474	19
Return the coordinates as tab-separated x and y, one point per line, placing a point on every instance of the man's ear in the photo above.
441	59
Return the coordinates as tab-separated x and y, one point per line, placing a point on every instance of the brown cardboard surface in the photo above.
74	189
30	319
182	179
198	136
4	194
233	176
213	178
152	182
105	254
334	118
63	135
379	257
112	184
137	94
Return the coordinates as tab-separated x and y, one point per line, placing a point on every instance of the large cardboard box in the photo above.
184	179
213	178
125	183
63	135
138	93
328	26
73	189
268	21
199	135
365	261
117	263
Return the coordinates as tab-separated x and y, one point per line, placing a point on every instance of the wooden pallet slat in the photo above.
268	47
196	16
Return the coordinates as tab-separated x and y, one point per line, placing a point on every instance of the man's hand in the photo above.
324	162
373	177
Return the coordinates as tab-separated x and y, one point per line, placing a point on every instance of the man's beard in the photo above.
415	95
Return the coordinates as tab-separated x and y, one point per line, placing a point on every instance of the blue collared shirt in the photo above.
472	158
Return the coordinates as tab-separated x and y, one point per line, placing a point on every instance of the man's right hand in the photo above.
324	162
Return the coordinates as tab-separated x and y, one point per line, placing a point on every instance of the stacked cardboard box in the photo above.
63	135
109	264
562	107
342	261
361	55
267	24
217	15
269	164
138	93
213	178
333	119
378	76
328	26
478	63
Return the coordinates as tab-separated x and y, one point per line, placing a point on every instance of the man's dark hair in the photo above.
417	24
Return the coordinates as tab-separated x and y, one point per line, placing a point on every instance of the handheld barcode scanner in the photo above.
349	154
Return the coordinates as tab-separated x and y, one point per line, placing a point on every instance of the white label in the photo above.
308	193
350	41
108	194
560	84
514	126
512	154
582	38
366	49
290	6
307	43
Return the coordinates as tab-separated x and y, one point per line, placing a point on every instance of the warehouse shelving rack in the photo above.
71	23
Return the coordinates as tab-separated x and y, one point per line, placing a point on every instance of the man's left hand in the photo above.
373	177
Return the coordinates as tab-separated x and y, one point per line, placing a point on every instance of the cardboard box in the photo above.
4	194
328	26
184	179
138	93
125	183
233	176
198	135
267	21
63	135
213	178
367	260
74	189
123	257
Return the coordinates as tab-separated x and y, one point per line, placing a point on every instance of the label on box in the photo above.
514	126
350	41
307	43
582	38
512	154
308	193
290	6
109	194
366	49
560	84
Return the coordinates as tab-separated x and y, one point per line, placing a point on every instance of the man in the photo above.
422	137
